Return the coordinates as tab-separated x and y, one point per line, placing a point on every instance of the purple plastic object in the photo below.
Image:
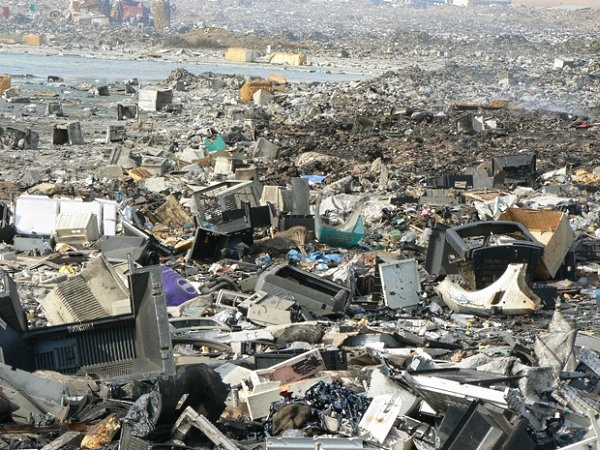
177	289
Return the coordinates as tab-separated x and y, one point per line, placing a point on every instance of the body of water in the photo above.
105	70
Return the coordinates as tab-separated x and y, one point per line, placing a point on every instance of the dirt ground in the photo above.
429	59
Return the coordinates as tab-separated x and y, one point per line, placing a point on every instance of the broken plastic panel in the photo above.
7	229
32	393
12	320
322	443
381	415
68	438
301	196
439	392
437	262
188	325
227	298
267	310
11	311
400	283
483	250
509	295
315	293
299	367
118	249
190	418
334	359
128	441
130	229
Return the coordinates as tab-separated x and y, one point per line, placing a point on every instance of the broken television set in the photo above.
482	251
120	348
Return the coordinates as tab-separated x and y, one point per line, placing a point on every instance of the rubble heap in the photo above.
402	261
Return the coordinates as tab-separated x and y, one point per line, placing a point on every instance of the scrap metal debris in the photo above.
406	261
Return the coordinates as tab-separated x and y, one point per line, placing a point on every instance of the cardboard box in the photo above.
5	83
240	54
154	99
250	87
291	59
551	228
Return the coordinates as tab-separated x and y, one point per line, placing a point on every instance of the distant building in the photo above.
132	12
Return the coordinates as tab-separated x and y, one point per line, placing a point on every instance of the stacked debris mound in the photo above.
181	74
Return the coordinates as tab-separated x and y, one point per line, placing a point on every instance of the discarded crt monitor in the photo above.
314	293
260	216
517	169
483	250
451	181
119	348
212	200
487	426
210	244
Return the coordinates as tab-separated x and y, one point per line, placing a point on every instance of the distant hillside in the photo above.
558	3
